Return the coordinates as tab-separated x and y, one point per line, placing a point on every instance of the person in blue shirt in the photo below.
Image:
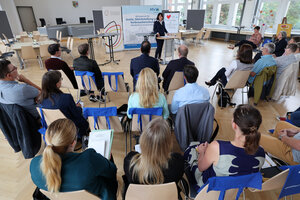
266	60
59	169
147	94
191	92
53	98
159	29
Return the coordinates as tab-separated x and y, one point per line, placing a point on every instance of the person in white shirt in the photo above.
243	62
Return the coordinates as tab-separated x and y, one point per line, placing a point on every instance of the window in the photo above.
293	14
267	13
238	11
223	16
180	5
208	13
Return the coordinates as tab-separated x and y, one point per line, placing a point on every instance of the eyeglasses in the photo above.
15	68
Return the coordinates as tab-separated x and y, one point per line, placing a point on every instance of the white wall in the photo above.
51	9
13	18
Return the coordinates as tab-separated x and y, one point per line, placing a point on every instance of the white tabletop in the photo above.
18	45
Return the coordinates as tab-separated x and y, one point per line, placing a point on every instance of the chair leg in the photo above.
214	93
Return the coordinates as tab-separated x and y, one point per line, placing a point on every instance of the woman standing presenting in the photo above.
159	29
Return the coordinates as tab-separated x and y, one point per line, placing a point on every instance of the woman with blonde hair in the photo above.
59	169
156	164
147	95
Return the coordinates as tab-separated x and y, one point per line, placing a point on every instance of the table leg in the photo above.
20	59
90	42
173	46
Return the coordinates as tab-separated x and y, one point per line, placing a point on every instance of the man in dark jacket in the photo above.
143	61
56	63
83	63
176	65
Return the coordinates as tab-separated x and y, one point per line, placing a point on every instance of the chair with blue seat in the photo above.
103	118
114	82
140	118
219	188
291	185
85	81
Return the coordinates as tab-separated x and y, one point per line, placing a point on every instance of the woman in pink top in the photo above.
254	40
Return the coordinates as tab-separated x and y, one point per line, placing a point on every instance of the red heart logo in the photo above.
168	16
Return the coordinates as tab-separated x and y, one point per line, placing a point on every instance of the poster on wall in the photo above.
172	21
113	24
136	21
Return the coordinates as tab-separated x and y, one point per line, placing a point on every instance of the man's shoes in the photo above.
97	98
208	83
93	98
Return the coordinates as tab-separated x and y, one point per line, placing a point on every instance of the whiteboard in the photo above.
172	21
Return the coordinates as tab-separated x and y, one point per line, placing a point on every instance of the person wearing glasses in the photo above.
15	88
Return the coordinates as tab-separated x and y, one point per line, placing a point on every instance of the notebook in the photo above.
101	141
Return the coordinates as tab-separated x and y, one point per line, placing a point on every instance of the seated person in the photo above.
284	143
176	65
156	164
56	63
53	98
266	60
143	61
254	40
294	39
280	44
243	62
13	91
83	63
241	156
191	92
59	169
147	94
286	59
292	117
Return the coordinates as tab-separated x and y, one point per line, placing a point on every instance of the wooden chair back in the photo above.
25	38
76	195
36	37
43	38
238	80
200	35
35	33
51	115
86	83
44	51
121	84
149	192
135	126
207	34
71	44
177	81
65	83
28	53
274	183
214	195
68	42
101	121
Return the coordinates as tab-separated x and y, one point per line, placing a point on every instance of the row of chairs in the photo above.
216	188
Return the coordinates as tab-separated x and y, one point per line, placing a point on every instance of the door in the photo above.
27	18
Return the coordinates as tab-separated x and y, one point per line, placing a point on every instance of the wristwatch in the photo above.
280	136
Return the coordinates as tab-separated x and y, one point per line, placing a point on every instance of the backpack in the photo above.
224	99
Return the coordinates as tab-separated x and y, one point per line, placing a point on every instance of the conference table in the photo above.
168	47
145	35
189	33
36	46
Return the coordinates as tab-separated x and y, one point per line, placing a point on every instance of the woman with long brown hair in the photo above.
240	156
243	62
156	164
59	169
147	94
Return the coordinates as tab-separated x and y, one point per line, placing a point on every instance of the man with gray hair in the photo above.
176	65
266	60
